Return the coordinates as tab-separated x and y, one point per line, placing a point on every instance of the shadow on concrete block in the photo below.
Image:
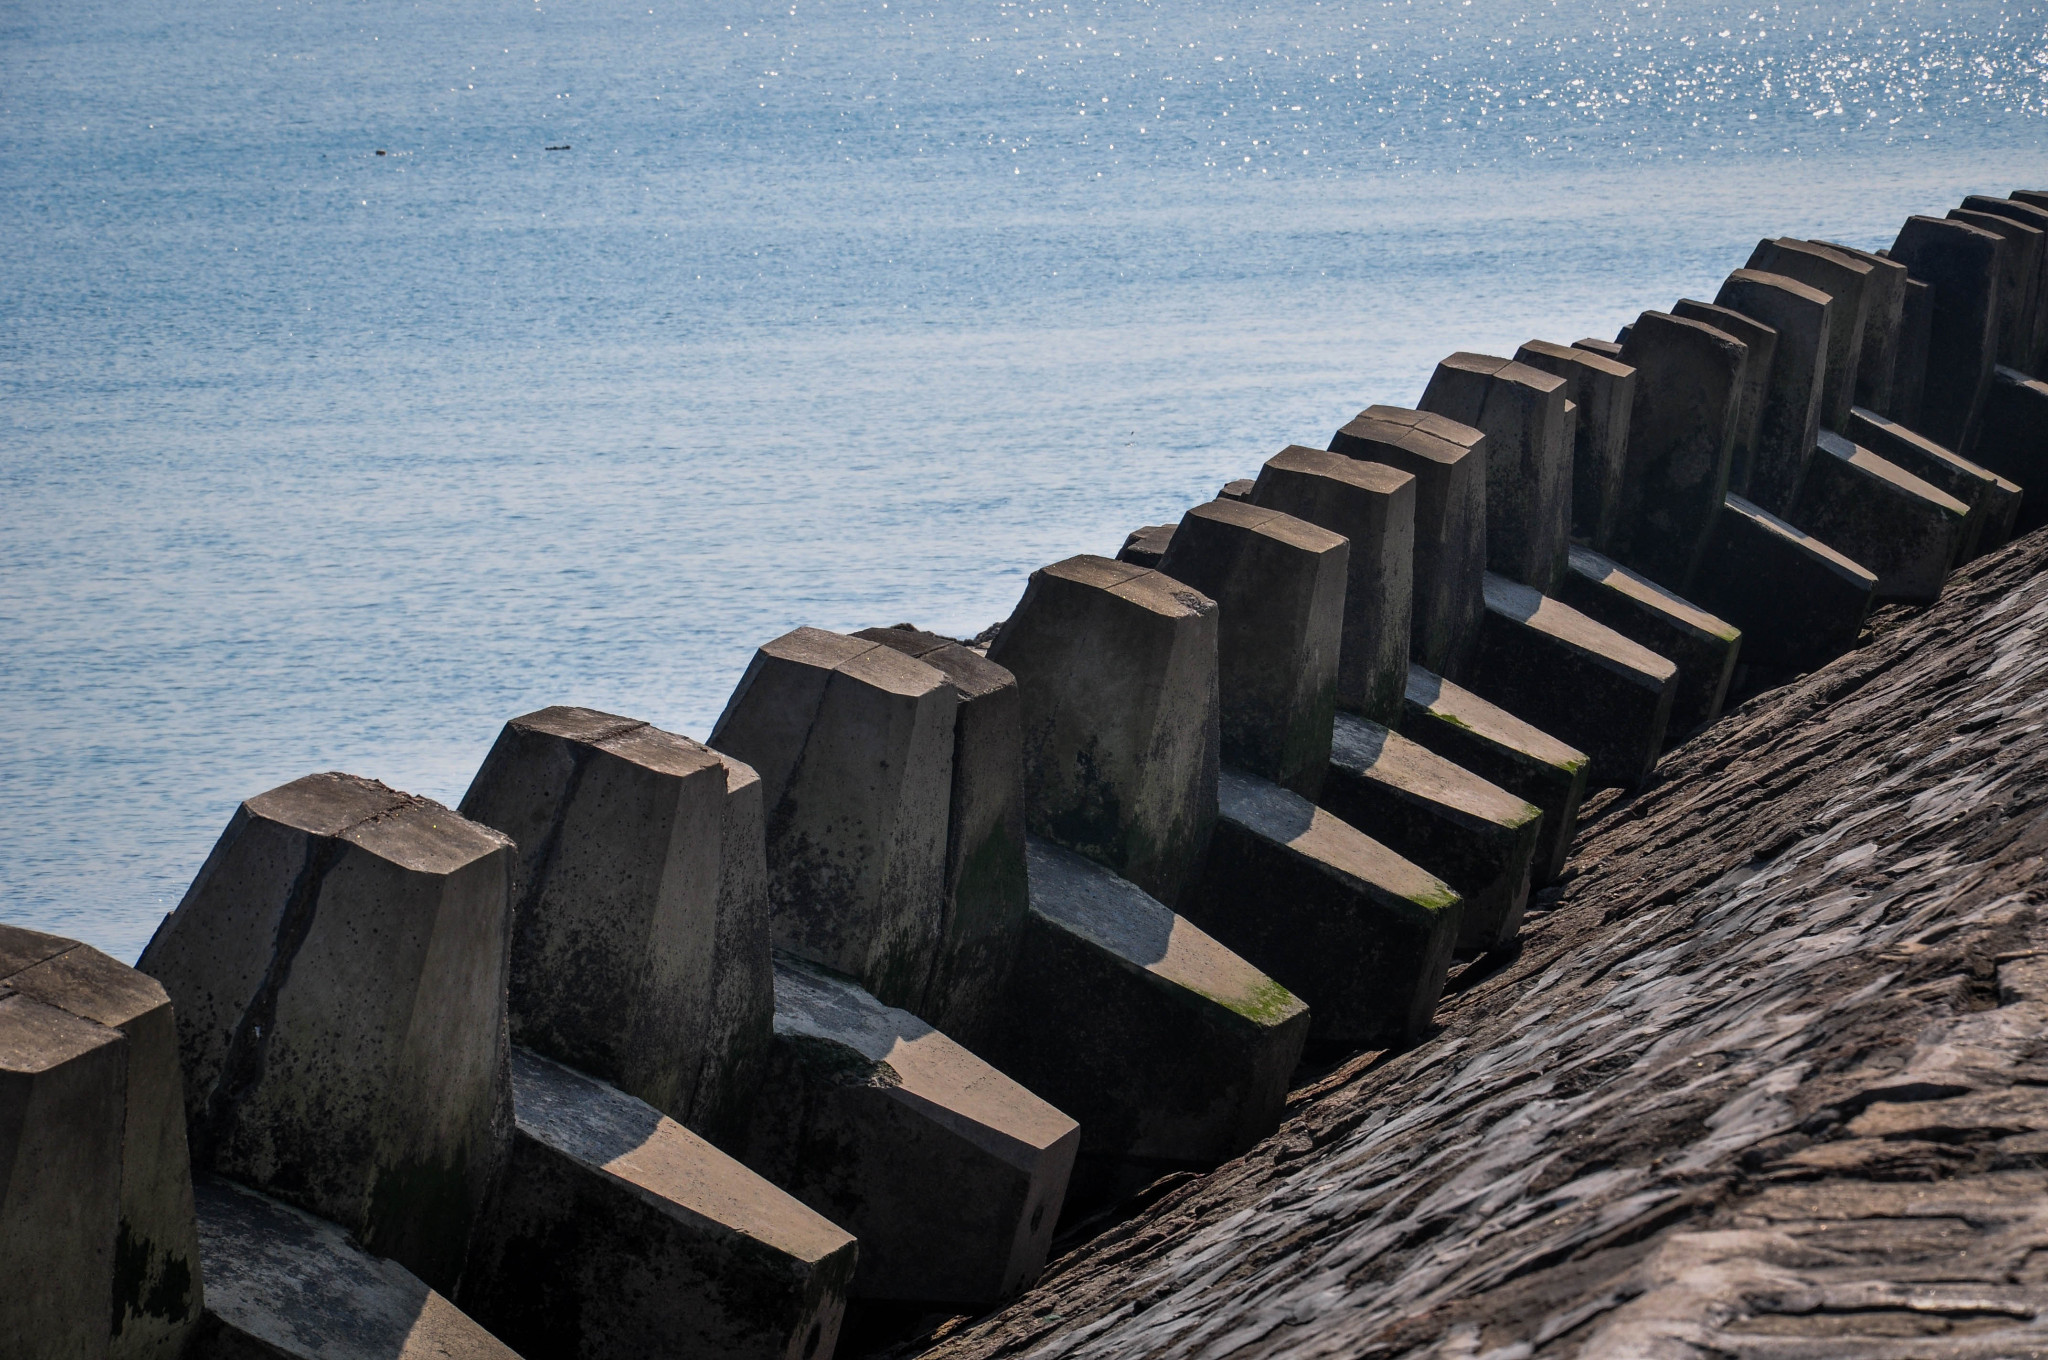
1884	311
1603	392
2018	282
1993	501
1681	436
1703	647
2013	442
1788	419
2037	317
1962	264
1799	603
1144	547
1846	281
1906	531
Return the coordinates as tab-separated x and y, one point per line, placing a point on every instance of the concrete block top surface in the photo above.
1885	470
1144	547
1853	572
2031	213
1553	357
1677	609
1594	345
1506	370
1920	229
628	738
1377	478
1727	320
411	832
1998	223
1462	708
1764	278
665	1164
1120	918
1238	490
1812	260
36	1037
1370	749
1567	625
971	1097
1277	525
75	978
1142	586
1288	819
972	674
1425	434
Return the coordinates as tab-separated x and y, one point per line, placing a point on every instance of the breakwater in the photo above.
936	947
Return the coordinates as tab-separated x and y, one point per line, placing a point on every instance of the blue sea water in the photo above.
343	419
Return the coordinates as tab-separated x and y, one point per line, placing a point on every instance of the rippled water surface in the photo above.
343	419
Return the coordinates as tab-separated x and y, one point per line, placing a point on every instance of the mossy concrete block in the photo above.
1173	1052
1278	583
1963	265
1789	419
1905	530
950	1173
1603	391
1798	602
1529	441
1116	666
2012	441
1991	505
1884	309
618	933
986	893
1373	506
1909	373
2037	319
1472	834
2019	279
1550	665
284	1285
1144	547
1500	748
854	745
1448	461
1703	647
1762	342
338	973
616	1233
1846	282
1681	436
1334	916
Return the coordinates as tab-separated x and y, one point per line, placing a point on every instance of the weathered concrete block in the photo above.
2012	441
1846	282
2037	197
1474	835
1144	547
619	924
1883	517
616	1232
1448	461
1703	647
1500	748
1789	419
1116	666
1550	665
1172	1051
2018	282
1594	345
986	895
1962	264
284	1285
854	745
1329	913
1762	343
1909	373
1603	390
1278	583
1529	438
950	1173
2036	217
1991	505
338	973
1239	490
1373	506
1884	307
1798	602
1681	435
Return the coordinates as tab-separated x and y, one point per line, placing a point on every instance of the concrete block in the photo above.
616	1232
1592	344
284	1285
854	745
1603	391
1494	744
1962	264
1789	420
986	895
2012	441
1173	1052
1144	547
1329	913
1909	374
1846	282
1448	461
1798	602
1877	356
950	1173
2019	281
617	924
338	973
1374	506
1529	440
1550	665
1239	490
1278	583
1991	504
2037	325
1681	435
1703	647
2037	197
1474	835
1116	666
1891	522
1762	342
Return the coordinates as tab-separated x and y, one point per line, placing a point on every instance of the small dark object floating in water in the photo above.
563	147
382	152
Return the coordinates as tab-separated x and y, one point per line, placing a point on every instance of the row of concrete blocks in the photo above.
1170	730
